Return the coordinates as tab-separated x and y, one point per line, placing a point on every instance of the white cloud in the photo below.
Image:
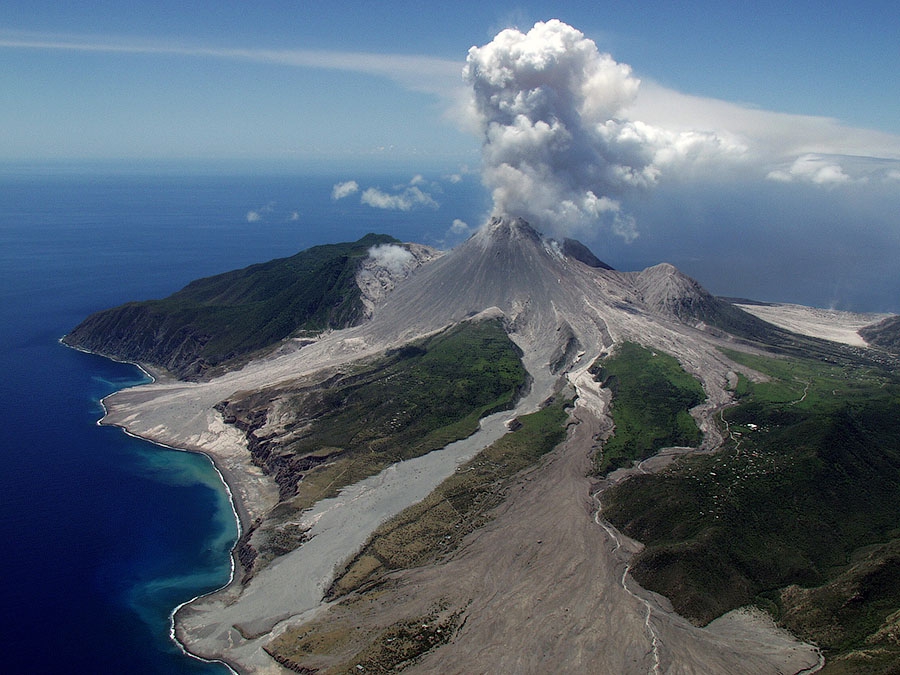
294	216
419	73
459	227
457	177
405	197
769	136
345	189
812	169
256	215
409	198
392	257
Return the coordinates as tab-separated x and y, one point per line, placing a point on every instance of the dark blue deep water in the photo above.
101	535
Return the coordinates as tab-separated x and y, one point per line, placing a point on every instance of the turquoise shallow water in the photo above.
105	534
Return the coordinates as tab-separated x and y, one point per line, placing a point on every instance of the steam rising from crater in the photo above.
557	149
394	258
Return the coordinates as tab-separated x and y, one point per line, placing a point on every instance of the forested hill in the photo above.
216	319
884	334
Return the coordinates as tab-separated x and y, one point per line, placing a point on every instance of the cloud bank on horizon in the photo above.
567	131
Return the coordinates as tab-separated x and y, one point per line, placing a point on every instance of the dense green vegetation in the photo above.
806	489
436	525
651	399
221	317
856	616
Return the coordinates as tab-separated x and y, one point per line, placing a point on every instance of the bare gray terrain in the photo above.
828	324
545	584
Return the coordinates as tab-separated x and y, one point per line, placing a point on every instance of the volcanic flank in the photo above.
561	311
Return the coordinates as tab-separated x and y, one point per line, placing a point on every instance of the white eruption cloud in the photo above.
557	147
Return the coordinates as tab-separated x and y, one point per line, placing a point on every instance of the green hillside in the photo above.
800	507
215	319
651	399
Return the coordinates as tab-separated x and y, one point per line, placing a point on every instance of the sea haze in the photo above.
104	533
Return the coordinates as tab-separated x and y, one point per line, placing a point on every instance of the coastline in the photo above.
227	478
239	509
241	518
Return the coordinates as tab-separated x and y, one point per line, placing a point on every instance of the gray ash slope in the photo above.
552	294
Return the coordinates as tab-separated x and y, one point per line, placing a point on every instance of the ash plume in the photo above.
557	149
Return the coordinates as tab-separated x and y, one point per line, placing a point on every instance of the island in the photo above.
511	457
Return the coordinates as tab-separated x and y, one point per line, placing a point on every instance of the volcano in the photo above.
544	584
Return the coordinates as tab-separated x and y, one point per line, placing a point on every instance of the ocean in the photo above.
105	534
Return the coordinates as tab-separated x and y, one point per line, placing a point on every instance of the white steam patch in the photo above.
393	258
557	148
345	189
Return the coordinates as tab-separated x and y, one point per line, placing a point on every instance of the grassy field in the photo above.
651	399
803	503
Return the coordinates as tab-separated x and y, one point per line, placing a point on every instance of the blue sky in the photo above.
756	145
135	80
